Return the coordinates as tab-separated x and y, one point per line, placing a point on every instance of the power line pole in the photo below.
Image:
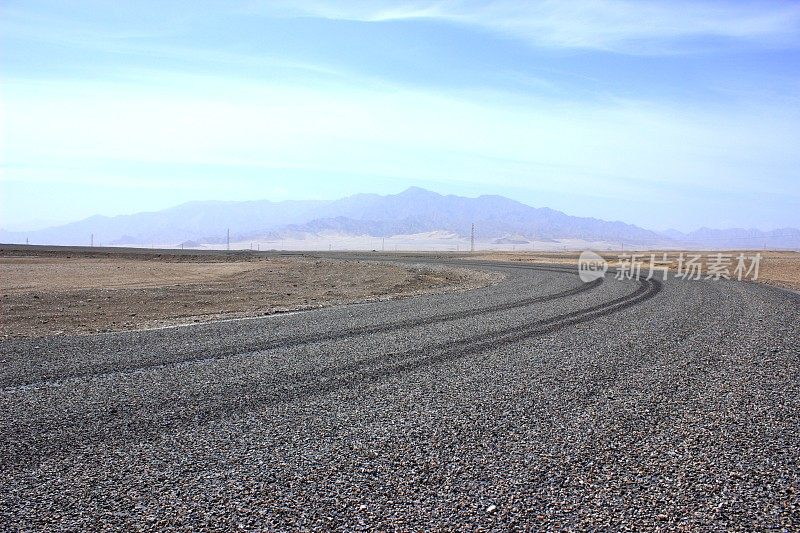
472	239
229	239
91	240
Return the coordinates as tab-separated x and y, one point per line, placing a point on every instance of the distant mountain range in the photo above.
498	220
786	238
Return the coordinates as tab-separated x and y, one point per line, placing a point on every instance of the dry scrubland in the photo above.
79	292
780	269
49	291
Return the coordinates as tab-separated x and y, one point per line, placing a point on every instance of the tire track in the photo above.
201	355
283	388
410	360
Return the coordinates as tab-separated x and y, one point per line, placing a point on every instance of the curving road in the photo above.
538	402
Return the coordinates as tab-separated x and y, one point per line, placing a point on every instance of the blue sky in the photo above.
663	114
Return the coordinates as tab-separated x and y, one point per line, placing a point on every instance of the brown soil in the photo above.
76	292
780	269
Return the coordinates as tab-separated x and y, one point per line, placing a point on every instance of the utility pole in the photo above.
91	240
472	239
229	239
26	241
383	244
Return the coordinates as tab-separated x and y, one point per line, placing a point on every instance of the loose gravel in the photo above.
679	410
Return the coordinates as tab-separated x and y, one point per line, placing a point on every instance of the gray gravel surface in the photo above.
539	402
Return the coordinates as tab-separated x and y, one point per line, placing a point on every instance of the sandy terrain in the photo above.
61	292
432	241
780	269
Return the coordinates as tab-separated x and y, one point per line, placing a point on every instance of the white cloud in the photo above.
639	26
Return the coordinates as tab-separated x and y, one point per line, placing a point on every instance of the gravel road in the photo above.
539	402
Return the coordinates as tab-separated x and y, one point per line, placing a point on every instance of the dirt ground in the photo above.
777	268
67	293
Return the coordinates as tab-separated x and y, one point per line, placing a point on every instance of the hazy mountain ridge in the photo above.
739	237
417	210
199	220
412	211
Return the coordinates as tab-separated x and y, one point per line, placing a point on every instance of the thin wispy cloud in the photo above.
621	26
